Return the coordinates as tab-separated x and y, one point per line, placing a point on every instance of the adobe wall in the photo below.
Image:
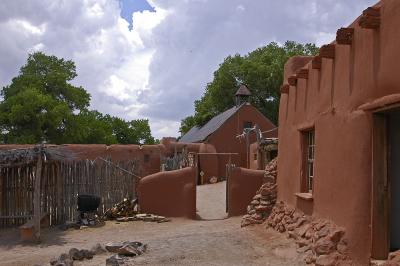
254	156
329	100
171	193
224	139
242	186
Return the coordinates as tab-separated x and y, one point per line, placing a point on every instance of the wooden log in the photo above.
36	199
292	80
285	88
345	36
371	18
316	63
327	51
302	73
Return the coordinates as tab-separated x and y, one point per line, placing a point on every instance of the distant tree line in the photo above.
261	70
41	106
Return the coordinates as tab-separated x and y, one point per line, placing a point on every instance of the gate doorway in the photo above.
386	183
212	198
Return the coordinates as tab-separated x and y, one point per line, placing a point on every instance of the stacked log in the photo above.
264	200
321	241
125	208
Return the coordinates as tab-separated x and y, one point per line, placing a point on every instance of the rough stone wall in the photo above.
264	200
322	242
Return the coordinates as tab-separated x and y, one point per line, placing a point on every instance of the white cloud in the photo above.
159	68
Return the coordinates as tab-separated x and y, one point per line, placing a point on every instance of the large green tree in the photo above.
41	105
261	70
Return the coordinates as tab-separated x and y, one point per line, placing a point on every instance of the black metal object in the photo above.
88	203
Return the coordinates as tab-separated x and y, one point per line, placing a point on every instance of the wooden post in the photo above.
36	196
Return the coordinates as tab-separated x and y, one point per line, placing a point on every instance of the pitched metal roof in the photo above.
243	90
196	134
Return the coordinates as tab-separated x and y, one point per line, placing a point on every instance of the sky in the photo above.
151	59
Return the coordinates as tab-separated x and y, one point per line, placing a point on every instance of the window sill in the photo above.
305	196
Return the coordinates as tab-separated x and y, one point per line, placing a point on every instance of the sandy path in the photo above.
179	242
211	201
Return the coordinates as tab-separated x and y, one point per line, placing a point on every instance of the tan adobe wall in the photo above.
329	100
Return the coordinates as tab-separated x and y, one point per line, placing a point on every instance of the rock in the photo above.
115	260
76	254
53	261
303	249
98	249
326	260
301	242
87	254
342	246
293	235
113	247
255	202
336	235
309	257
323	246
257	197
301	231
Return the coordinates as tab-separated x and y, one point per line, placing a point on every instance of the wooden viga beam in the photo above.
371	18
316	63
285	88
327	51
292	80
302	73
345	36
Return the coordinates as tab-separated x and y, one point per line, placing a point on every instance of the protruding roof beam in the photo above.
302	73
285	88
292	80
316	62
371	18
344	36
327	51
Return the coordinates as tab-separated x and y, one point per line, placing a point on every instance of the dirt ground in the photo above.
215	241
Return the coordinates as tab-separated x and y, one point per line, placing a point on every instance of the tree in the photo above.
40	105
40	101
261	70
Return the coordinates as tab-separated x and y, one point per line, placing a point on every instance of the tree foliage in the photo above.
40	105
261	70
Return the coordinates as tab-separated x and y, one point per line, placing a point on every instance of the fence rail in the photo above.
61	182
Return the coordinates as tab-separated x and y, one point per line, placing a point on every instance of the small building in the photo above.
339	133
222	133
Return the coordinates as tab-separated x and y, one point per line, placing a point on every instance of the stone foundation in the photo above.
322	242
264	200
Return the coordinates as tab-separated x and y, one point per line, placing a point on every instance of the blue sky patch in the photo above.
130	6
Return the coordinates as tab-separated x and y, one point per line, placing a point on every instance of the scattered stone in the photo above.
115	260
326	260
75	254
98	249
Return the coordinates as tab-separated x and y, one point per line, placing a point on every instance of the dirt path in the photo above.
179	242
211	201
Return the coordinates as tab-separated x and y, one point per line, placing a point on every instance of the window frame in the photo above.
308	158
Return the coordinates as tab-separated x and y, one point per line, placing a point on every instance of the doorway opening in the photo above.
212	185
386	183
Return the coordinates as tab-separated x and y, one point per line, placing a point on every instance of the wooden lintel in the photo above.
316	62
371	18
285	88
327	51
302	73
292	80
344	36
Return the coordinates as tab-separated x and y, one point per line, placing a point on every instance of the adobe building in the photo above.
221	135
339	133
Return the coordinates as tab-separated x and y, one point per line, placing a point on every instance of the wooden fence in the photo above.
61	182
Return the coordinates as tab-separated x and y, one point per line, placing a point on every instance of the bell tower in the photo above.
242	95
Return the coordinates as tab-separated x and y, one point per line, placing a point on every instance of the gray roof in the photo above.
196	134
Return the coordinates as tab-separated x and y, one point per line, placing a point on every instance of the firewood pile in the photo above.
128	210
125	208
